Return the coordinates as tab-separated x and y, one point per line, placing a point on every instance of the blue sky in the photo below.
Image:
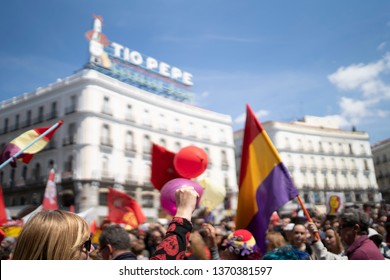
286	58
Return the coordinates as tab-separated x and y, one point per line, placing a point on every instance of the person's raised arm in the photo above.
174	244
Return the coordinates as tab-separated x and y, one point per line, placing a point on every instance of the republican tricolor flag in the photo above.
265	184
25	139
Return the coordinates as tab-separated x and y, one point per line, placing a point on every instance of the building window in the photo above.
53	113
28	118
321	148
106	135
146	118
147	173
105	167
362	150
24	173
191	130
129	113
103	196
37	171
162	124
72	133
205	133
17	122
222	137
106	106
163	142
40	114
350	149
226	183
129	145
147	200
366	165
5	125
224	161
129	171
73	105
147	149
177	128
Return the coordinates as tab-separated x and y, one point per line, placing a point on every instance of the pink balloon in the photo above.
168	191
190	162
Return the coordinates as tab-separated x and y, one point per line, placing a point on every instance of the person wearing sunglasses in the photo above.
54	235
353	231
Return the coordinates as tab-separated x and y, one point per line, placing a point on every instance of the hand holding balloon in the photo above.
186	200
168	194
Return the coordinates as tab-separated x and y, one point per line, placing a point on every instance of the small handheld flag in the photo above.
26	145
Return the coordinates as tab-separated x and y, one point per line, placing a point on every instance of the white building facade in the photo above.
381	154
322	158
106	139
112	112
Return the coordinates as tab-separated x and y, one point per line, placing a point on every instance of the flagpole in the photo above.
307	215
15	156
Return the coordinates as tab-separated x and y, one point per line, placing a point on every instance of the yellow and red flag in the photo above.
23	140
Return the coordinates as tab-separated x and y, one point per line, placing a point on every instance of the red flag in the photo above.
3	214
163	169
123	209
26	138
50	198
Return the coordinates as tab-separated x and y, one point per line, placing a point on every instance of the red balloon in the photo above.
190	162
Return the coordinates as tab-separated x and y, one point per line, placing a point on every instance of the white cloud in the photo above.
354	110
369	83
356	75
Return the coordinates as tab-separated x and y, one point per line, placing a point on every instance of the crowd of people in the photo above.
61	235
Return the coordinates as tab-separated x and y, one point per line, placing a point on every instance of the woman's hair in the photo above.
274	240
339	245
52	235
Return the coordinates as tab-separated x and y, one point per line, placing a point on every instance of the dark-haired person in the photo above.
114	244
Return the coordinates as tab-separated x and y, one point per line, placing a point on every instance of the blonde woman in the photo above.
333	242
54	235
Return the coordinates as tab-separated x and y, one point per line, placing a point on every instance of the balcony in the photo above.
106	141
70	110
70	140
225	166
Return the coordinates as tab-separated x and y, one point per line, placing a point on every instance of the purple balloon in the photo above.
168	193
